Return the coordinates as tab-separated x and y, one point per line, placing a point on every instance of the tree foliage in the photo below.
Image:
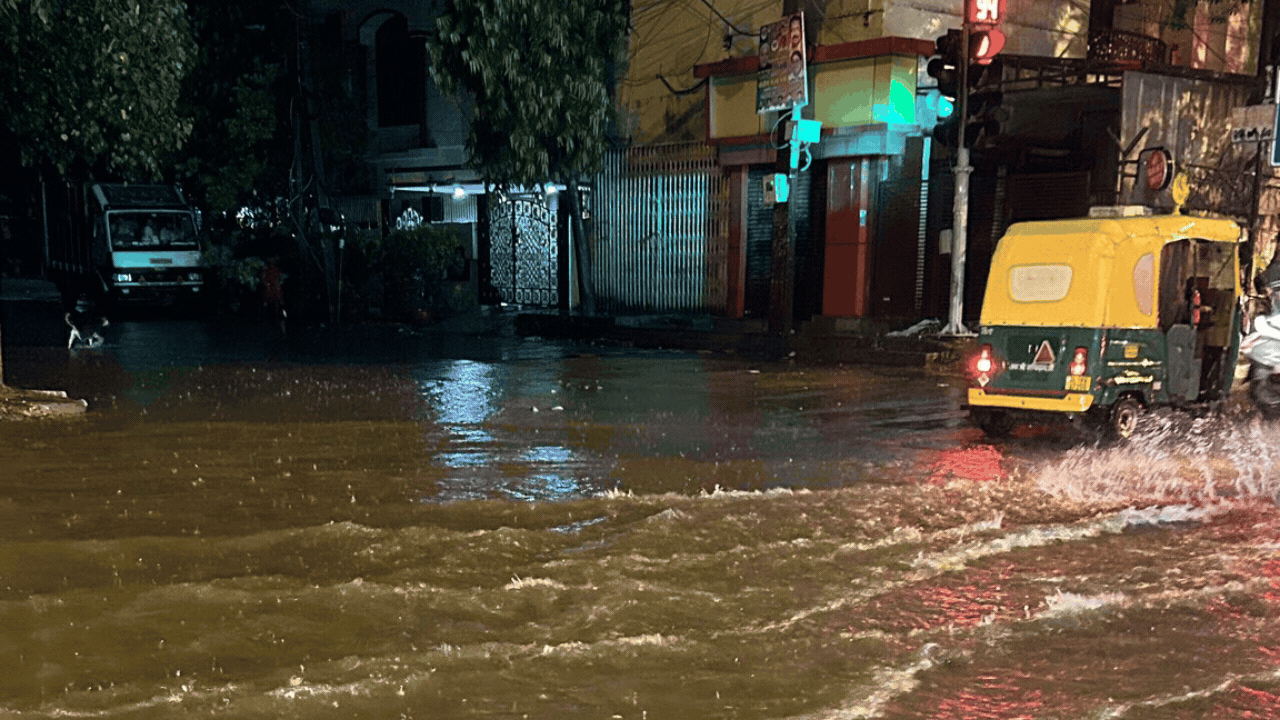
92	85
539	72
238	96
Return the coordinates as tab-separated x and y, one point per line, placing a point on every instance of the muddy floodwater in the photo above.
383	526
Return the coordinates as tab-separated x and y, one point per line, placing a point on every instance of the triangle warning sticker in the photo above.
1044	356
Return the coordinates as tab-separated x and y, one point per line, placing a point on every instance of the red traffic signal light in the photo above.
984	45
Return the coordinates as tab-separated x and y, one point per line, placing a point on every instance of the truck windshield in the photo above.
152	231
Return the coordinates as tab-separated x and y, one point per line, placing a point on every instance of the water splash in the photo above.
1173	459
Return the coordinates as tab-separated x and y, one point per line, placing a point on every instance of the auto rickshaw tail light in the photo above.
984	365
1079	362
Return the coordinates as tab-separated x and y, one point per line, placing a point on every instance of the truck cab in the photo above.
123	243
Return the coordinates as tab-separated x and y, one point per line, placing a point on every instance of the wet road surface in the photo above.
374	523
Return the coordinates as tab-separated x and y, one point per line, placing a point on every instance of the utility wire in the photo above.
657	54
687	91
657	45
732	27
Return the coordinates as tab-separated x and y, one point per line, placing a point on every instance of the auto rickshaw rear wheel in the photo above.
1123	418
994	423
1264	390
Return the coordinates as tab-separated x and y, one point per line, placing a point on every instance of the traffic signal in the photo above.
983	18
985	44
984	70
983	124
941	106
986	116
945	65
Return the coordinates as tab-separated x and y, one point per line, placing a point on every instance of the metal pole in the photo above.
960	205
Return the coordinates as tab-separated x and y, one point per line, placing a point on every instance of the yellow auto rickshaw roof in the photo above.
1152	231
1100	257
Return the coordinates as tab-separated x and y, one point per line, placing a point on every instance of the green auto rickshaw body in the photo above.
1081	314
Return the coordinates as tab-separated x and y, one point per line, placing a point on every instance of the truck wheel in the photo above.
994	423
1123	418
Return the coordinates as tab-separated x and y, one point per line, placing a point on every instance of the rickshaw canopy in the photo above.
1093	272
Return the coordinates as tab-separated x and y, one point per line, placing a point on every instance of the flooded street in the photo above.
373	523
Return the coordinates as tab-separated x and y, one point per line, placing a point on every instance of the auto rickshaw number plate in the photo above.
1079	383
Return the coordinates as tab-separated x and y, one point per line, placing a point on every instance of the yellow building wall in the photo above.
733	107
865	91
852	20
847	93
668	39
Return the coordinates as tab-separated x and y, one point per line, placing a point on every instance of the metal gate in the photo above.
897	249
661	233
523	250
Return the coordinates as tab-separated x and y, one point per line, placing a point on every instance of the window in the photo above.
1144	283
401	67
151	231
1039	283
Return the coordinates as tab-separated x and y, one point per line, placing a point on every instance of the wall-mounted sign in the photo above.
1252	123
784	78
1159	169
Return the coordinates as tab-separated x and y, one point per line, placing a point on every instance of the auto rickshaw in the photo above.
1100	318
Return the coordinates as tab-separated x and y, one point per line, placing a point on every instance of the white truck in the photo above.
117	242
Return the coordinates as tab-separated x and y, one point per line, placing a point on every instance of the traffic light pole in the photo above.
960	205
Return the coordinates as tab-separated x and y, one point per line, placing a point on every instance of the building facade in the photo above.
679	220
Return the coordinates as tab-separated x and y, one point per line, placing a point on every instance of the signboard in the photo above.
1253	123
1159	169
784	77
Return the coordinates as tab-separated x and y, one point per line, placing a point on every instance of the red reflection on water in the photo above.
972	705
1247	702
980	463
972	598
1010	695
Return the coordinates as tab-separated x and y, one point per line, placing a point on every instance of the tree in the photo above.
269	123
91	86
540	74
237	95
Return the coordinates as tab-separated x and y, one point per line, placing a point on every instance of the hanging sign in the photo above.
783	81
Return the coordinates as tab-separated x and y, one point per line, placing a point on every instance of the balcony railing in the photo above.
1126	47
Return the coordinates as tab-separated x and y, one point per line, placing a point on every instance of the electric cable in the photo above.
687	91
732	27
